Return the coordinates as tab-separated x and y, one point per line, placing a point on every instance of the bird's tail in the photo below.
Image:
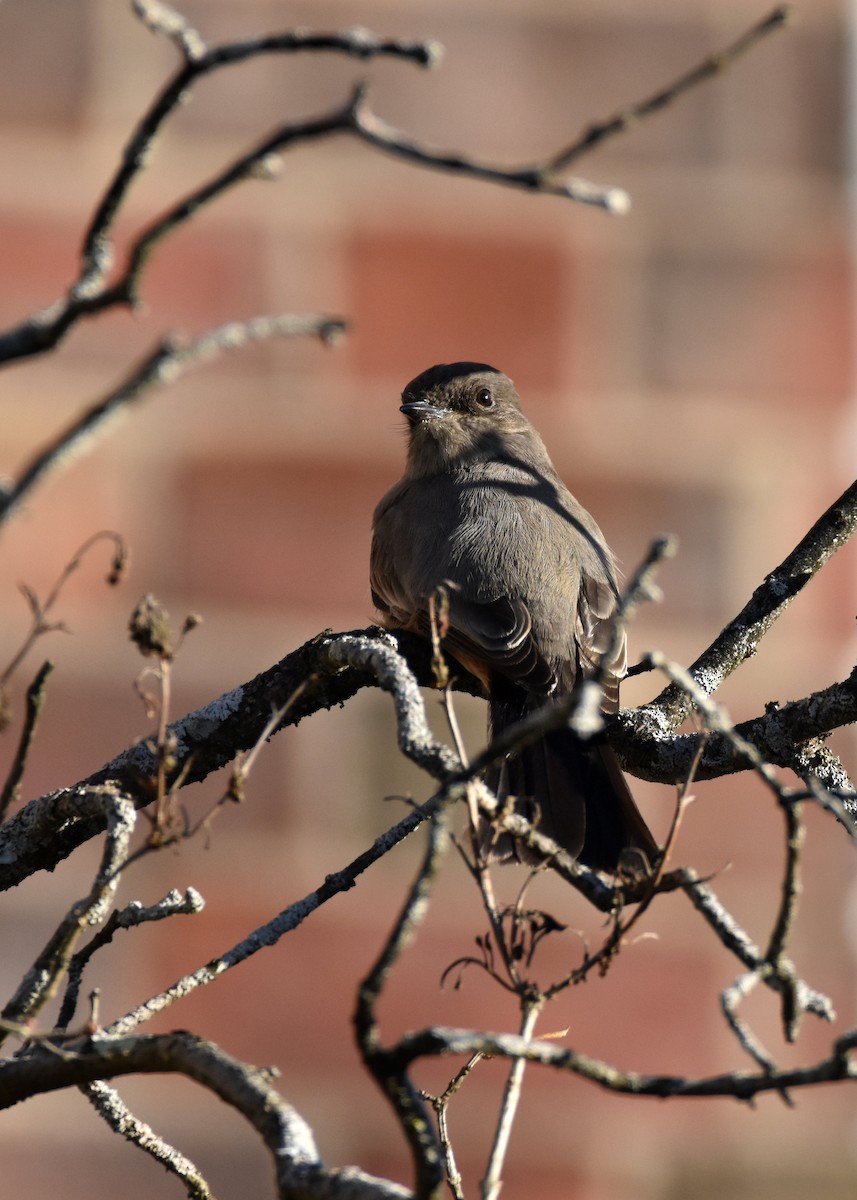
573	791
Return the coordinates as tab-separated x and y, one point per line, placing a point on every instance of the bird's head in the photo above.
458	413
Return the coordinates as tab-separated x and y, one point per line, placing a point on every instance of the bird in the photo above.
529	591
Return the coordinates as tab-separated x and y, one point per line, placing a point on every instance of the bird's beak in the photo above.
421	410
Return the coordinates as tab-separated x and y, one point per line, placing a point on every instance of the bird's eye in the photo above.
484	398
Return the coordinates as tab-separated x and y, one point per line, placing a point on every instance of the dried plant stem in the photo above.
493	1180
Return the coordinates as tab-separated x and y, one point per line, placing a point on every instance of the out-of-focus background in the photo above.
690	367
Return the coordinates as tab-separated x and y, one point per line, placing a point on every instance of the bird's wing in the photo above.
593	630
493	636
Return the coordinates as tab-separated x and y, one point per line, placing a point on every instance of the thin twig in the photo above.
440	1104
493	1181
162	366
42	979
730	998
792	988
585	716
35	702
651	887
717	719
738	942
715	64
538	177
290	918
111	1108
41	609
774	963
134	914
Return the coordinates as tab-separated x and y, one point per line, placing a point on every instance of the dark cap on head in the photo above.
443	374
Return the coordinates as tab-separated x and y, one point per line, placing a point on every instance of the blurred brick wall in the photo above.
710	332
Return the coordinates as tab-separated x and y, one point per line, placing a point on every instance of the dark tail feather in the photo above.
574	792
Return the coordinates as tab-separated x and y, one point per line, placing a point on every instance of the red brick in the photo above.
422	296
206	273
774	324
290	532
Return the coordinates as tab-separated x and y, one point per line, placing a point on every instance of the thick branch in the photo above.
299	1170
393	1078
740	639
743	1085
649	751
45	832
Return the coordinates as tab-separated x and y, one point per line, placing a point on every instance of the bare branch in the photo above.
394	1080
768	731
41	609
90	293
270	933
163	366
440	1041
393	674
245	1088
111	1108
38	837
729	1001
739	943
133	914
775	964
299	1171
649	751
440	1104
42	979
493	1181
740	639
160	18
35	701
716	64
586	717
45	831
539	177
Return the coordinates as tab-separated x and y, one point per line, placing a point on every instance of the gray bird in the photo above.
531	587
